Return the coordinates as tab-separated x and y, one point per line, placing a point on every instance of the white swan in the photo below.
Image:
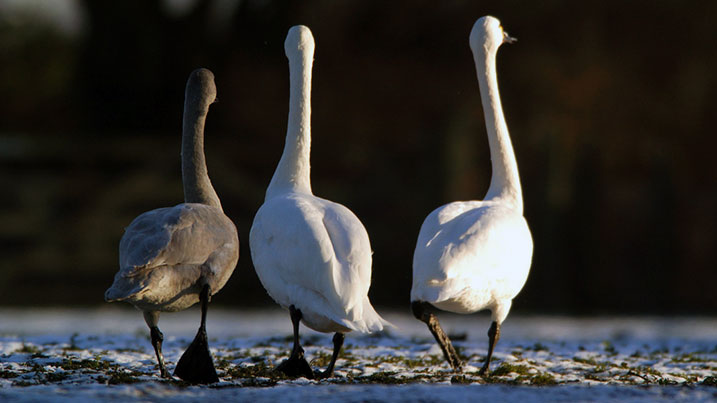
173	257
312	255
476	255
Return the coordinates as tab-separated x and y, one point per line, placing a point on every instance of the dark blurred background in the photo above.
610	106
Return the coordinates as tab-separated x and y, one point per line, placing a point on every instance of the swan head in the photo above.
299	39
488	34
201	89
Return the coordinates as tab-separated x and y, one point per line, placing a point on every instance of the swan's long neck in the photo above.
197	186
293	172
505	182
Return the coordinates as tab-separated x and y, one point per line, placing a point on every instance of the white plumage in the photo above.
312	255
470	256
476	255
315	254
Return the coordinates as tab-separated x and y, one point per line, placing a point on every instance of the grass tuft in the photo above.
506	369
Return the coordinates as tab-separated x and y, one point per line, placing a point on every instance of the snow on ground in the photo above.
105	354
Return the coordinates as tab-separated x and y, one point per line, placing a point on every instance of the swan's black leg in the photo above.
205	297
296	365
295	322
493	337
196	364
152	318
338	342
157	339
421	312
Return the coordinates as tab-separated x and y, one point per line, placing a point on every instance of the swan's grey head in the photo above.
201	89
488	34
299	39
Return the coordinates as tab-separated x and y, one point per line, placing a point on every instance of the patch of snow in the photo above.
105	354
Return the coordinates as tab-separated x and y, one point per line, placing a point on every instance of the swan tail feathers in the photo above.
115	295
124	288
371	321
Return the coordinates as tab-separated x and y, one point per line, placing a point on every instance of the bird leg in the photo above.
157	339
152	318
493	337
296	365
338	342
421	312
196	364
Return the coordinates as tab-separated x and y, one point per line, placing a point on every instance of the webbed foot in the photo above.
196	364
296	366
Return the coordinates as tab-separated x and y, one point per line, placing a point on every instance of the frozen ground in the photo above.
105	354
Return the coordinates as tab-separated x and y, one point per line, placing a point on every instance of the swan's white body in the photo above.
471	256
315	254
476	255
310	252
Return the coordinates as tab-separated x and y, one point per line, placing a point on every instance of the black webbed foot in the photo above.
296	366
196	364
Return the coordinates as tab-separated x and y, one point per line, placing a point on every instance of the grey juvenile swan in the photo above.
173	257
